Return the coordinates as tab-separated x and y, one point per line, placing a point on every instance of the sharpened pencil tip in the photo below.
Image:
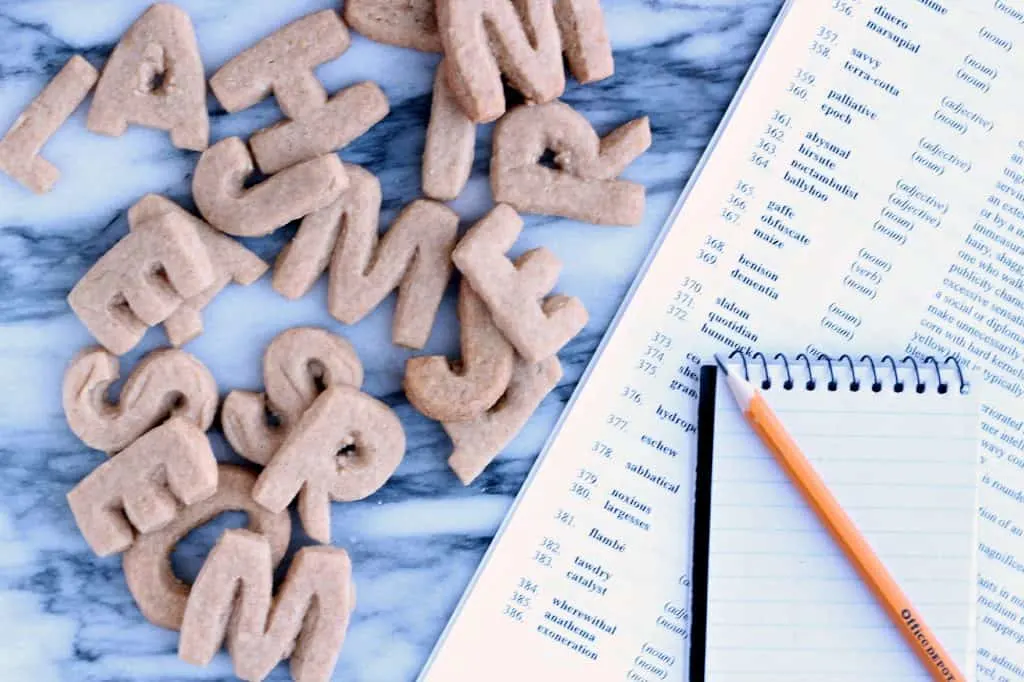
721	365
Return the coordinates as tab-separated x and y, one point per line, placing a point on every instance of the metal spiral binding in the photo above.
908	372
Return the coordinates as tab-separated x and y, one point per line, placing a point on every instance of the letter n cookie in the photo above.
513	291
484	38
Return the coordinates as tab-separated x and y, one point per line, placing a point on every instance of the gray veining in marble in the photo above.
66	615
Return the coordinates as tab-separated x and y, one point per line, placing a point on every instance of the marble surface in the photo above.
66	615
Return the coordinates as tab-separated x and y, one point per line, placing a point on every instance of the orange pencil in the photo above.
842	529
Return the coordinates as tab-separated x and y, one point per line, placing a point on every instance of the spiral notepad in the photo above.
897	444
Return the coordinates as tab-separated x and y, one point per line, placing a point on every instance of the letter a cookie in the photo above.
584	187
231	262
141	487
155	78
166	383
513	291
345	448
233	600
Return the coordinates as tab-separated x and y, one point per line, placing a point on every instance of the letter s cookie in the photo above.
296	365
166	383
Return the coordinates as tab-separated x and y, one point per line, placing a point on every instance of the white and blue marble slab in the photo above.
67	615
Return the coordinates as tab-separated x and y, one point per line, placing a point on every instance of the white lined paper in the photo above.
783	602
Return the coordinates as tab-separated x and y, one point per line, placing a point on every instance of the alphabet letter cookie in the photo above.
413	257
159	594
484	38
584	188
131	490
232	600
585	39
155	78
451	141
349	114
307	256
218	187
479	441
19	149
512	292
143	280
344	448
231	262
450	394
405	23
166	383
282	64
295	366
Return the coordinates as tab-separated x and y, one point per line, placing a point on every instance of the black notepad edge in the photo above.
702	522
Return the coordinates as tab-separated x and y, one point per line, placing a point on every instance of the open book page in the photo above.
865	194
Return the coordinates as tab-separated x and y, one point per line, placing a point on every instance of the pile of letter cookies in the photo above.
315	436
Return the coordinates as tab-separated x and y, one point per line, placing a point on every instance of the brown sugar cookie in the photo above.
308	254
155	78
282	64
218	187
297	365
405	23
585	42
344	448
451	142
466	390
231	262
159	594
143	280
584	185
349	114
479	441
140	489
513	291
484	38
165	384
414	256
20	147
232	600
